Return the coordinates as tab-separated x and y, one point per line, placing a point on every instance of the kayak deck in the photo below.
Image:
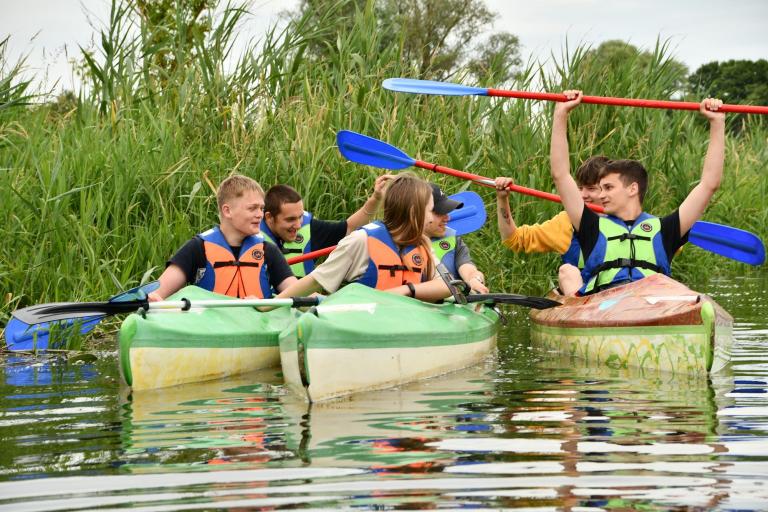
362	339
166	348
654	324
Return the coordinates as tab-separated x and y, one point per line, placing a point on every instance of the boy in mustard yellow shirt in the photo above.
555	234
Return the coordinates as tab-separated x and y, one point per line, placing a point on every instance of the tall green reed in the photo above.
96	198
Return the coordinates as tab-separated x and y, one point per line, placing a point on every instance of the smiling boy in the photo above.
628	244
231	258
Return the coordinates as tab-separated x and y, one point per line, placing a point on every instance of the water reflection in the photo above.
526	430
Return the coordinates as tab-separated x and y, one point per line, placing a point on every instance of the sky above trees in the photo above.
701	31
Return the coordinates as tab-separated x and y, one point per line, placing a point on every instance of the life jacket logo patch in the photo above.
646	227
299	238
444	245
416	259
257	254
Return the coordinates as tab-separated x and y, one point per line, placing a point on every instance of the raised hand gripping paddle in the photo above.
24	332
450	89
724	240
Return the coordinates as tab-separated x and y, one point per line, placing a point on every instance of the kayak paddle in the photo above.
22	335
451	89
724	240
70	310
466	219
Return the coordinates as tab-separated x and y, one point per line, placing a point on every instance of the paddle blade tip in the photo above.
365	150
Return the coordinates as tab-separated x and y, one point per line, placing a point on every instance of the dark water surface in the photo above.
525	430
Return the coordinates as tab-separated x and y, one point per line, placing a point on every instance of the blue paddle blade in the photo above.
432	87
369	151
727	241
469	217
20	335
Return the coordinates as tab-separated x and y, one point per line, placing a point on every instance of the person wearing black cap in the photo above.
448	248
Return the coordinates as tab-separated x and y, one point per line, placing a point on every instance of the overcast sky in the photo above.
49	31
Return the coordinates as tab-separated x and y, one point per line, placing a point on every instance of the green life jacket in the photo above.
445	250
299	246
625	253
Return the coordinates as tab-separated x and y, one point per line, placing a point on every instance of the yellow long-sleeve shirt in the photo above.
553	235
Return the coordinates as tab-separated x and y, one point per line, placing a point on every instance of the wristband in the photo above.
411	290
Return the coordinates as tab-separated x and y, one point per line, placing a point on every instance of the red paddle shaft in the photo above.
490	183
626	102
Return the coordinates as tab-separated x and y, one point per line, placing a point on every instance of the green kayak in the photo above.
166	348
361	339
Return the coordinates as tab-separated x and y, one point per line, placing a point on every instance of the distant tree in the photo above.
614	53
733	81
437	37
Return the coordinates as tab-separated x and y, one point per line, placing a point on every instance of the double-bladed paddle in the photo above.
413	86
22	335
724	240
470	217
72	310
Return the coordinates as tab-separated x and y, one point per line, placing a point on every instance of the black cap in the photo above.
443	204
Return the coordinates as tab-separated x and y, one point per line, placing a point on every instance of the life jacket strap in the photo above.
394	268
629	263
220	264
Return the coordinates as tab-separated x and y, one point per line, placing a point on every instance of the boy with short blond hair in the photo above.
231	258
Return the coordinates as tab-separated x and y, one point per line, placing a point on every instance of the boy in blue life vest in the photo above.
295	231
231	258
628	244
448	248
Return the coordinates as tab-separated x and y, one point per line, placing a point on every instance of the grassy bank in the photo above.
99	190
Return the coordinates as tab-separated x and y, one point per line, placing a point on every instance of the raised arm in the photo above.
559	160
694	205
505	221
365	214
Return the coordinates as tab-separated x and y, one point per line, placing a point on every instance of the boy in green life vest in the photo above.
627	243
295	231
448	248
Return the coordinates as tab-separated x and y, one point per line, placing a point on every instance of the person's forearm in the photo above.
558	152
430	291
171	281
301	288
712	171
364	215
504	218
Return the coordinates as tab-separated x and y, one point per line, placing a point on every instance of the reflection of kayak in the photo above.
166	348
654	324
361	339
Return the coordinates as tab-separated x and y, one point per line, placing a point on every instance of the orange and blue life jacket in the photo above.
240	277
389	267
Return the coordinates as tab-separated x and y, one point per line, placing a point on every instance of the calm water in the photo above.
523	431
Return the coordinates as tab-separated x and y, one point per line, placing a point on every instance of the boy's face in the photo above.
614	195
244	213
285	225
436	224
428	215
590	193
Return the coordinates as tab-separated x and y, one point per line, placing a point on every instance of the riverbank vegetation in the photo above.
102	185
